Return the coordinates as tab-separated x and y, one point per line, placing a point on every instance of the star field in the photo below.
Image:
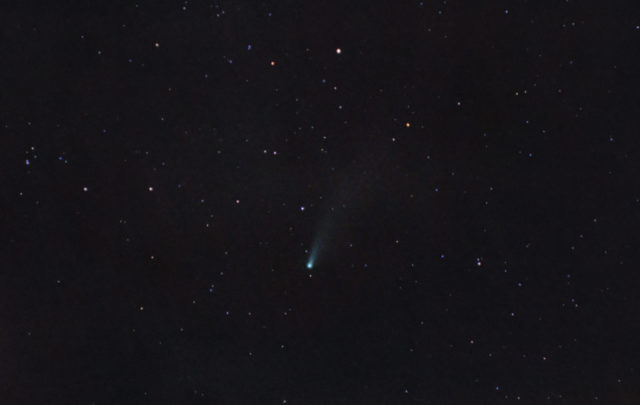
414	202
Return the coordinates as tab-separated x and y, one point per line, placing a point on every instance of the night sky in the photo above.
310	202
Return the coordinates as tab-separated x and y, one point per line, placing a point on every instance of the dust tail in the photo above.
318	245
355	183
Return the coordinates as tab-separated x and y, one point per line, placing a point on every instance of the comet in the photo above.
358	179
312	256
317	244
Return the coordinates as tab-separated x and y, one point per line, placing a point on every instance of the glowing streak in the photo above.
311	260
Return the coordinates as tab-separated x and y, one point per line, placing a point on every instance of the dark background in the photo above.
485	253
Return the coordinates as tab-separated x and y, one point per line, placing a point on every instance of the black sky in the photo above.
470	168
